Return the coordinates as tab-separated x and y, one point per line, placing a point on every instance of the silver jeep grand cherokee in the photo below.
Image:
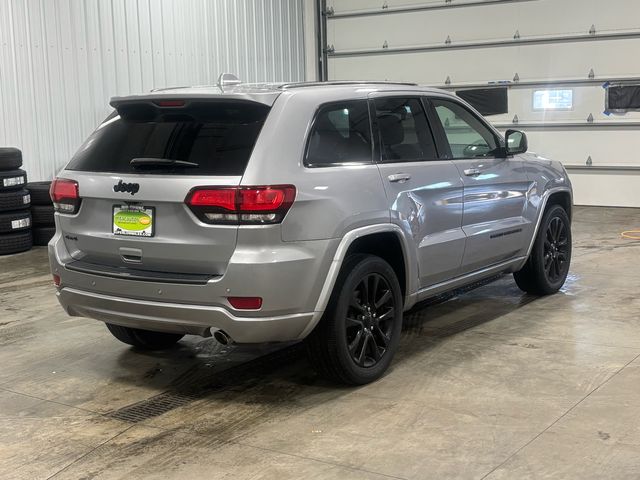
318	211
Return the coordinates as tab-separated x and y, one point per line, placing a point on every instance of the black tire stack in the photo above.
15	218
44	226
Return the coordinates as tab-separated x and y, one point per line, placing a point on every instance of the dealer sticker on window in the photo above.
133	220
13	181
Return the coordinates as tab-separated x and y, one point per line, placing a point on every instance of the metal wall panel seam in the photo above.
30	67
51	145
14	63
408	9
507	42
549	82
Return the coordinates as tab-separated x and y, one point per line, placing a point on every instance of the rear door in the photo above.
495	189
423	191
134	214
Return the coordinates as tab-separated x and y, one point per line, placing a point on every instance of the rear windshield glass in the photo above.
205	138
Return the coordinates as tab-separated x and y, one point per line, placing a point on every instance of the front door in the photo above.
495	189
423	191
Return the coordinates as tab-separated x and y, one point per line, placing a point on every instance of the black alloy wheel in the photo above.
556	250
359	333
548	264
369	321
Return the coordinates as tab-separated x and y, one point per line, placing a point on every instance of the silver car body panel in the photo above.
451	228
181	318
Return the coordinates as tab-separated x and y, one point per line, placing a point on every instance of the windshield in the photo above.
210	138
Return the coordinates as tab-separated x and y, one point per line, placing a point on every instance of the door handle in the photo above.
472	172
399	177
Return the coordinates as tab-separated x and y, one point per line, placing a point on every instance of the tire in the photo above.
328	345
15	242
17	200
15	221
42	215
12	180
39	193
10	158
551	249
43	235
144	339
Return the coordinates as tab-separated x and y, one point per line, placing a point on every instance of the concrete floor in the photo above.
489	384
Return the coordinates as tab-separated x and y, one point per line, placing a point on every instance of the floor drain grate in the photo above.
152	407
201	383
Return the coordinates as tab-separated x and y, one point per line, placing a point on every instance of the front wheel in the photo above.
548	265
358	335
144	339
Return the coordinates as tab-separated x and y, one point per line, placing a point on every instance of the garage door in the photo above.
559	62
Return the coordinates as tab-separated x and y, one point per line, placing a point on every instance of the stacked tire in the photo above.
15	200
41	212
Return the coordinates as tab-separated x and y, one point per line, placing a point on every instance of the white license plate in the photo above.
133	220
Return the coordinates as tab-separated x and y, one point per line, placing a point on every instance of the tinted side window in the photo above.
341	134
216	137
404	132
468	137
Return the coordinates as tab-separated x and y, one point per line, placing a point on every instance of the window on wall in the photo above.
623	98
341	134
553	99
488	101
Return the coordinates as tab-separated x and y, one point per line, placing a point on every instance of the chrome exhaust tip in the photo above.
222	337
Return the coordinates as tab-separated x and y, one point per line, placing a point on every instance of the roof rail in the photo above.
344	82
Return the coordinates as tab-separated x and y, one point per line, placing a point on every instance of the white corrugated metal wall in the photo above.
547	43
61	60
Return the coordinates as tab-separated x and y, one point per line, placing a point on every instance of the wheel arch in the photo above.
562	198
554	196
388	246
384	240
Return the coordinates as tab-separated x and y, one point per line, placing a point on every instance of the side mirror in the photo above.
516	142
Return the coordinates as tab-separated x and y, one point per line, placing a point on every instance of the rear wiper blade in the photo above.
161	162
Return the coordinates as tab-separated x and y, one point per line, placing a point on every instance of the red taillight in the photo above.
65	195
245	303
242	205
223	198
56	280
264	199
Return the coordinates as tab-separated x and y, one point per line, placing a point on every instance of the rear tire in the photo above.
15	242
39	193
144	339
12	180
358	335
43	235
10	158
12	222
42	215
16	200
548	265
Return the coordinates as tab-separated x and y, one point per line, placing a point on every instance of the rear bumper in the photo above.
289	277
179	318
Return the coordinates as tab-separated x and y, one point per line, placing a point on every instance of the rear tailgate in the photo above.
135	216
